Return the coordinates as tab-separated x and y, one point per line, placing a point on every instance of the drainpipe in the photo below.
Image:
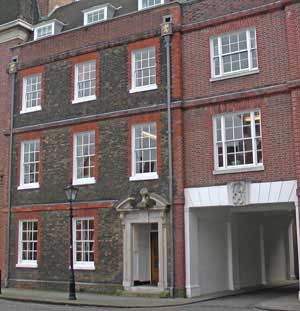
166	33
12	71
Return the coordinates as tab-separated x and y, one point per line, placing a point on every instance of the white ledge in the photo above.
148	176
84	181
28	110
238	170
29	186
84	99
235	75
90	266
32	265
143	88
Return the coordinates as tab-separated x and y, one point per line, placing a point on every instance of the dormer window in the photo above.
47	29
95	16
44	31
145	4
98	13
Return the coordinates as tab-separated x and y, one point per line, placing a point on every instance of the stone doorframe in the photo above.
152	208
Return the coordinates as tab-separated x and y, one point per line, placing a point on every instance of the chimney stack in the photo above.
46	6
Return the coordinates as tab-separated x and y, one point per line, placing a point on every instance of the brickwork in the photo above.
53	266
196	99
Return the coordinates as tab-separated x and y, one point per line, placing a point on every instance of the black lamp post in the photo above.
71	194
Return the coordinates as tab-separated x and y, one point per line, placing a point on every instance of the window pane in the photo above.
236	52
144	67
145	148
86	79
30	162
241	146
33	89
84	240
85	154
28	242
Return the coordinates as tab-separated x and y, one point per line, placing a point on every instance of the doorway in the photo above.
154	254
145	254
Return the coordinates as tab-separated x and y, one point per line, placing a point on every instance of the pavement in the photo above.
283	298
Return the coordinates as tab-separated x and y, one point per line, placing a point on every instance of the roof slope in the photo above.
71	14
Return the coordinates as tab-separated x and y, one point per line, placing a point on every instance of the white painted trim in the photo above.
292	274
84	181
87	180
262	254
15	23
86	98
134	88
148	176
93	10
187	252
22	185
31	109
259	193
239	169
40	26
222	75
25	263
298	238
28	264
235	75
230	256
143	88
81	265
29	186
140	5
144	176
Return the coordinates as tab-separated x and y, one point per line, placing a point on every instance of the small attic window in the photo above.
47	29
145	4
95	16
44	31
98	13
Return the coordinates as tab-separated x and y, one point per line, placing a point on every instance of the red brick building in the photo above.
91	106
240	143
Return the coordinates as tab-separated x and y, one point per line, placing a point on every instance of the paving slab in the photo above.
284	300
284	303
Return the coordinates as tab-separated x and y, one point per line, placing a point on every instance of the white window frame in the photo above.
140	5
43	26
30	109
21	262
149	87
238	168
22	185
76	180
86	98
82	265
250	70
87	13
141	176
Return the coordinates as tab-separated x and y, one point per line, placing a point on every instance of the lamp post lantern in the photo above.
71	194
